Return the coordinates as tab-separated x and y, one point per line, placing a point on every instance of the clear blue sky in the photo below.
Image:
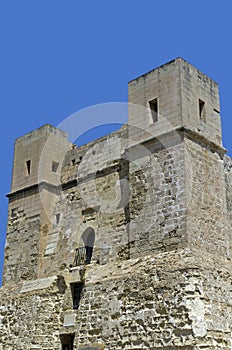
58	57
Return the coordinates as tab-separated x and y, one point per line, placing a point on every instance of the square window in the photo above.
154	110
55	166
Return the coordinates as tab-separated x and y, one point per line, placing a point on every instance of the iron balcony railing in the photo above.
80	256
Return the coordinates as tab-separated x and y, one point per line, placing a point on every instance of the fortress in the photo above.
125	242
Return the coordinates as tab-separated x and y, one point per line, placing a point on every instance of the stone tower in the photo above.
36	173
125	242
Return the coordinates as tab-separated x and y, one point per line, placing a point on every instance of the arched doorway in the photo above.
88	237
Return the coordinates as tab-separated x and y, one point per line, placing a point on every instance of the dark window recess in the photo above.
202	112
13	213
67	341
55	166
73	161
89	252
28	167
88	238
76	289
57	218
154	110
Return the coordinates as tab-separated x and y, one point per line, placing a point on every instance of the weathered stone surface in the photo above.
42	283
69	320
154	199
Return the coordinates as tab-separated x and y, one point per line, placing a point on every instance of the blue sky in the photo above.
58	57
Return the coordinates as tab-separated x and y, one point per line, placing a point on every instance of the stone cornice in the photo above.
33	189
183	132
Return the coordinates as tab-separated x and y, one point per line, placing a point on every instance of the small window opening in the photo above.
55	166
202	112
14	212
67	341
73	161
76	289
154	110
57	218
28	167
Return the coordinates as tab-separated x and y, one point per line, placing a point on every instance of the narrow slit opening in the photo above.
28	167
154	110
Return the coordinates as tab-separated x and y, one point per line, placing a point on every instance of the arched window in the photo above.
88	237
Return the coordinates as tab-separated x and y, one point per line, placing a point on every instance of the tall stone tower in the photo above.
175	113
125	242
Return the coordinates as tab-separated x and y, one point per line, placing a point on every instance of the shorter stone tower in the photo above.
131	251
35	179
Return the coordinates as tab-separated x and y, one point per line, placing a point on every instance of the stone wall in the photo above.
91	197
228	180
175	300
30	319
158	303
207	219
156	197
157	205
22	244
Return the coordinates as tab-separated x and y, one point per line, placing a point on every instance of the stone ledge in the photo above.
38	284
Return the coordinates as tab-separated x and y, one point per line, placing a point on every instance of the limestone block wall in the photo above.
156	195
228	181
34	182
199	89
30	317
207	219
135	204
185	97
40	147
162	84
174	300
22	242
157	204
158	302
91	196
